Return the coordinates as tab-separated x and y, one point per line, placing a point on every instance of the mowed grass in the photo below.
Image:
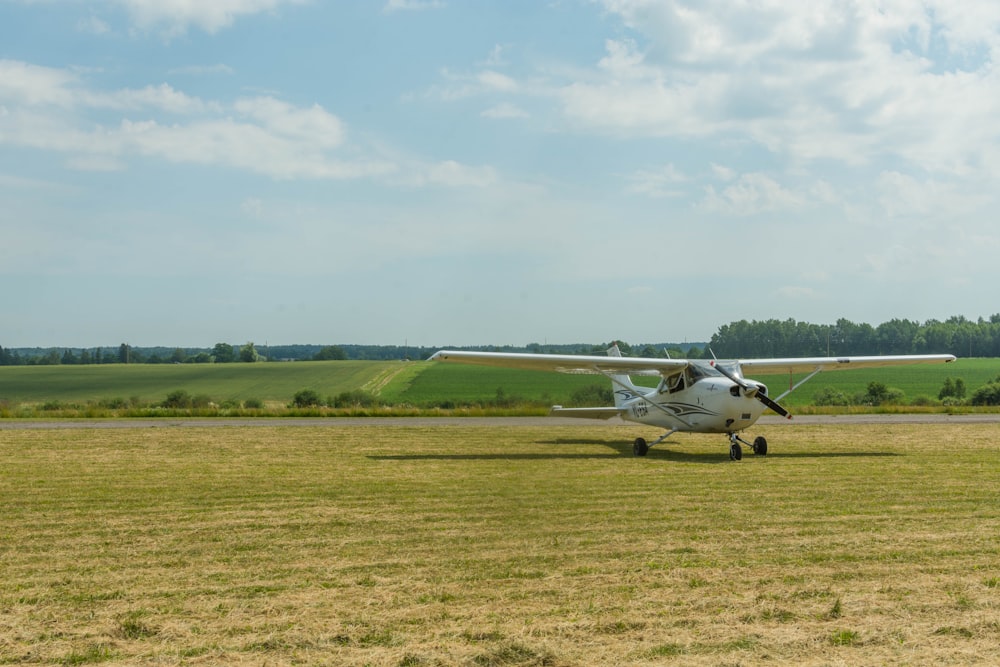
498	543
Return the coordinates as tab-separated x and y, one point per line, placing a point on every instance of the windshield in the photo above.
700	369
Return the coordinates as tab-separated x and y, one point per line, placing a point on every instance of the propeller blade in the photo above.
774	406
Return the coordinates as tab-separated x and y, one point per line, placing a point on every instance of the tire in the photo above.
639	447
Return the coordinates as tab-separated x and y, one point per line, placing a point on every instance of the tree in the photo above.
330	353
223	353
952	389
124	354
248	353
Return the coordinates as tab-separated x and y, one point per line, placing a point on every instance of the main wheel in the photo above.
760	446
639	447
735	452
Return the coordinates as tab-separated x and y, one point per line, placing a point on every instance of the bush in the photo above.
986	395
879	394
201	401
306	398
831	396
253	404
354	399
177	399
592	395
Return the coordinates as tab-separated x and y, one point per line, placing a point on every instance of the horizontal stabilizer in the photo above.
585	413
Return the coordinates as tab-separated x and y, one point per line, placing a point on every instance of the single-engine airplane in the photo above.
693	395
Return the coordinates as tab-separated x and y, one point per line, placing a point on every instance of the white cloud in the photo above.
411	5
504	111
796	292
454	174
657	183
33	85
93	25
845	81
52	109
174	17
314	125
750	194
203	70
495	81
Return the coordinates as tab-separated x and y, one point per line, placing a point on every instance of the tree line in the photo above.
758	338
787	338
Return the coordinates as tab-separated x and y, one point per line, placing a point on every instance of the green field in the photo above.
497	543
419	384
268	382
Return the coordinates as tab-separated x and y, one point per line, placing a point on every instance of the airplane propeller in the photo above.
752	391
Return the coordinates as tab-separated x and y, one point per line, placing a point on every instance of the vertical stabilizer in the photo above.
621	385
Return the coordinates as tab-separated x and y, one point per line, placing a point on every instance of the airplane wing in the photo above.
812	364
567	363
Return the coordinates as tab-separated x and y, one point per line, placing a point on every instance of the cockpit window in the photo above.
694	372
699	370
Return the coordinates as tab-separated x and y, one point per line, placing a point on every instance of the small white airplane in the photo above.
693	395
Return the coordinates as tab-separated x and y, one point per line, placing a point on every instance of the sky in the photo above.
445	172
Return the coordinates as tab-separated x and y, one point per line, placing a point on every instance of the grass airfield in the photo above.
498	543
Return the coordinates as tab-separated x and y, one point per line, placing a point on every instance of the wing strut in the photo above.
799	383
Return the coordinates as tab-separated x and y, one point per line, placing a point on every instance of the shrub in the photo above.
201	401
879	394
354	399
986	395
253	404
592	395
177	399
306	398
831	396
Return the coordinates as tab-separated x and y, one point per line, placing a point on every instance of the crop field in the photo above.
152	382
497	542
419	384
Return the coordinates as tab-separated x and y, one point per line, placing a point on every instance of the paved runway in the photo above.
242	422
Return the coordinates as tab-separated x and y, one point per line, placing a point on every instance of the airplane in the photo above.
693	395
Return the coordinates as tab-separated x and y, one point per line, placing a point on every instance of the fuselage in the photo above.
705	404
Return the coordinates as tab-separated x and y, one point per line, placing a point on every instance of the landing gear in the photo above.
759	446
639	447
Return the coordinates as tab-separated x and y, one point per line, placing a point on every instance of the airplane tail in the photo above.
621	385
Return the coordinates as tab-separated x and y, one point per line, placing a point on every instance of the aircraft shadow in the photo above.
620	450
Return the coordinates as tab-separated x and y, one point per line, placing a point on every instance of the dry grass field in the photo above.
498	543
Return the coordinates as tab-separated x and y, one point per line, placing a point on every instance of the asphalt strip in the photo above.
196	422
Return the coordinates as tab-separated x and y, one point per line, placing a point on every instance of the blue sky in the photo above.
443	172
